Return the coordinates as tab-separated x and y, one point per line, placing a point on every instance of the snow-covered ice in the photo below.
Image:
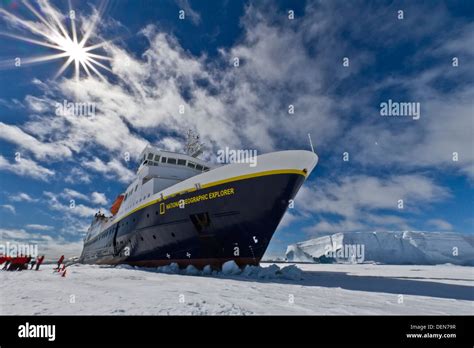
306	289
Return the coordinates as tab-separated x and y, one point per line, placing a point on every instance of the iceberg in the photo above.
387	247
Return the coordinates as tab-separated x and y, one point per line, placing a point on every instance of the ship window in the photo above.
172	160
145	162
163	159
198	167
206	169
147	215
182	162
191	165
136	187
157	158
154	237
141	238
172	233
150	156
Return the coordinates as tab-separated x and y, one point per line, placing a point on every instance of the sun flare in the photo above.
50	31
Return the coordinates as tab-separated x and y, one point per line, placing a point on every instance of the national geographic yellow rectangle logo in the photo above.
199	198
162	208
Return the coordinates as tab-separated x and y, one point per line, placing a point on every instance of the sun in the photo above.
50	31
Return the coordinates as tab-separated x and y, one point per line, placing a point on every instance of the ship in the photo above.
182	209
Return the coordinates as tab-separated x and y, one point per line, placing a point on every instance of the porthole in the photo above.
154	237
172	233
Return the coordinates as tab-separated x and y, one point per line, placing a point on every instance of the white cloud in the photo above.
8	207
361	202
111	169
39	227
440	224
26	167
77	175
287	220
79	210
98	198
22	197
41	150
70	193
51	247
346	197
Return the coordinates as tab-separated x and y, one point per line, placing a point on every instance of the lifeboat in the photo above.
116	206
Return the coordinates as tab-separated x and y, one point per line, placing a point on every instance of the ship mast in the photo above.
193	146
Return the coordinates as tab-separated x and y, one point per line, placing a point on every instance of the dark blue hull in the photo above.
234	220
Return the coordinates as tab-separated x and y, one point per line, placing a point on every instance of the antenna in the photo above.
193	146
310	142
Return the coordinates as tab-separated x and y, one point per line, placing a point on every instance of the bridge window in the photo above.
199	167
191	165
150	156
171	160
163	159
181	162
157	158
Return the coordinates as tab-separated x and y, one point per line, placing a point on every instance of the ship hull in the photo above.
233	220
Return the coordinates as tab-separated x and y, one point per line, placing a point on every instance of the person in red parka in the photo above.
7	261
39	261
17	263
60	261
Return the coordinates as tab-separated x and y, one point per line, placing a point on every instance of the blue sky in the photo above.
158	62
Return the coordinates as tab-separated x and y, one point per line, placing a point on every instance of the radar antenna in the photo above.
193	145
